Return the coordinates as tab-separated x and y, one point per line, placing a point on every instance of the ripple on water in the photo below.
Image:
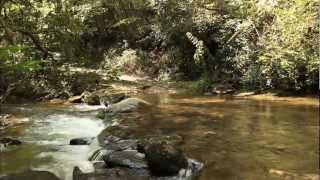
46	141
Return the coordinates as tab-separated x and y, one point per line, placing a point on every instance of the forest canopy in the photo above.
251	44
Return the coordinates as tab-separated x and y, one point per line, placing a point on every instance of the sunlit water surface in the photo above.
236	139
46	139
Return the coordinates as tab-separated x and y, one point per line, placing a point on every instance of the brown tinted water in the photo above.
236	139
240	139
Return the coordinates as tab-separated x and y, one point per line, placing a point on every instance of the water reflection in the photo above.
246	138
237	139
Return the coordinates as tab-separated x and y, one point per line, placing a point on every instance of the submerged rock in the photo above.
81	141
128	105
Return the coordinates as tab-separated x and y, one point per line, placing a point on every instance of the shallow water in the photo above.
46	139
236	139
239	139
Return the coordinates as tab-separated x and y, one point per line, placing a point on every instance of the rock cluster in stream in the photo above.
126	154
144	159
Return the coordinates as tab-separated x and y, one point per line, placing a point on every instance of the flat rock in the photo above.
127	158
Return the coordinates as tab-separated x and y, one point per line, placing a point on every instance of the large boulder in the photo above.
164	159
128	105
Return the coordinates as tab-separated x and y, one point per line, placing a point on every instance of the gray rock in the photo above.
99	154
122	145
127	158
128	105
164	159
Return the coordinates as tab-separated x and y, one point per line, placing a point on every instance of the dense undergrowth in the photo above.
246	44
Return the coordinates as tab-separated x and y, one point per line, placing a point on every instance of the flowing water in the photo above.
46	139
236	139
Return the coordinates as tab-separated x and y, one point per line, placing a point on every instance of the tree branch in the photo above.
36	41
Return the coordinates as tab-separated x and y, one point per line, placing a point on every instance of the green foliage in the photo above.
257	44
13	61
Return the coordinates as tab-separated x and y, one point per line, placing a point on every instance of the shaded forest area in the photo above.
252	45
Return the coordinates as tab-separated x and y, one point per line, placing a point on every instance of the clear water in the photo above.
46	139
237	139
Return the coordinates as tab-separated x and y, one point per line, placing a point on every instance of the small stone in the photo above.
81	141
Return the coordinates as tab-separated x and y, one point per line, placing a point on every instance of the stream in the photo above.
235	138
